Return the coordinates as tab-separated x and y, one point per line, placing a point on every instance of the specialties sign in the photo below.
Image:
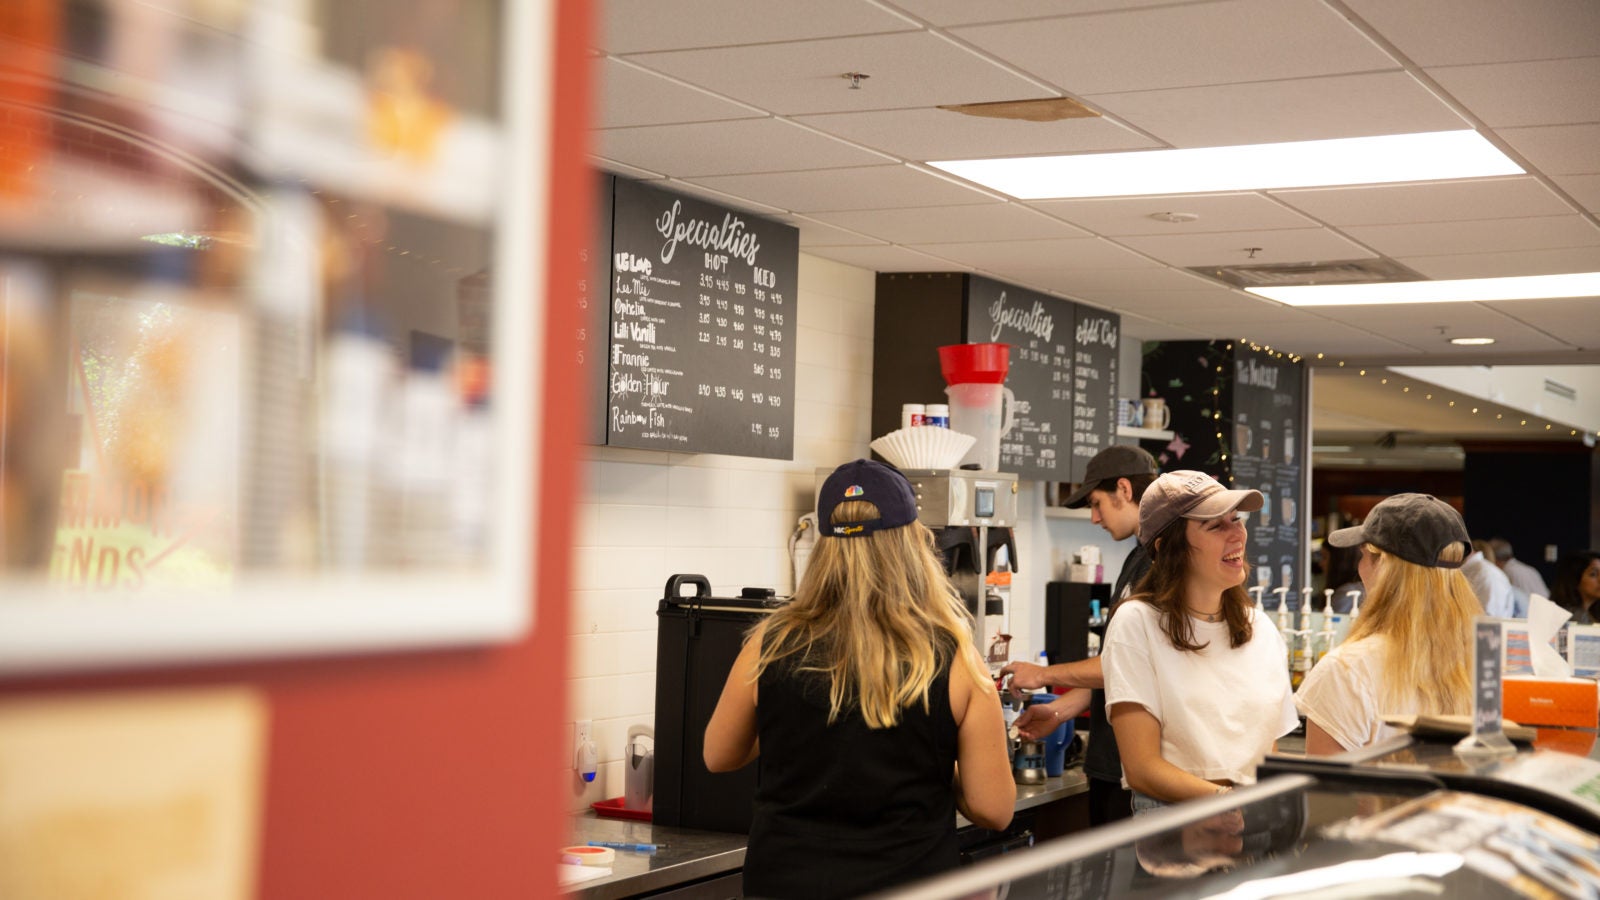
702	324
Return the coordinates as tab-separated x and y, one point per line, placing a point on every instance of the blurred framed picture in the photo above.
265	284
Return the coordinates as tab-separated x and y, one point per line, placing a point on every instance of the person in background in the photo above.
1522	575
1489	584
1577	585
1340	565
870	712
1113	485
1197	679
1409	652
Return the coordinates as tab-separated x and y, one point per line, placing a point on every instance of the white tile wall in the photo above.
648	515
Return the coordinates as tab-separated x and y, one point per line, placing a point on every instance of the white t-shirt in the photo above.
1341	695
1220	707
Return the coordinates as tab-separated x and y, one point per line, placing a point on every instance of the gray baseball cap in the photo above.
1187	494
1414	527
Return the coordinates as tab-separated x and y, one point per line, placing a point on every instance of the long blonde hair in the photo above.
1426	615
877	615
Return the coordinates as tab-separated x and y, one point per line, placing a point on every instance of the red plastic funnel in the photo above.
975	363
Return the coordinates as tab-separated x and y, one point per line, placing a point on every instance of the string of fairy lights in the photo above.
1428	392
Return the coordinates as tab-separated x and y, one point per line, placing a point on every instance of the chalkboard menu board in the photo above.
1268	421
1039	329
703	302
1094	385
593	297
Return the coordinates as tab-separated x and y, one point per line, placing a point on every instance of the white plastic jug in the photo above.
639	768
985	411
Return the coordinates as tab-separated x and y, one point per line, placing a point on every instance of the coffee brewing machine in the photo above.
972	515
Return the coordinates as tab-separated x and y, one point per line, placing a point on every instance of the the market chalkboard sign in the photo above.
702	327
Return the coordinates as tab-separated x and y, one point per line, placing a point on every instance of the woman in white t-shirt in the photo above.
1410	651
1197	680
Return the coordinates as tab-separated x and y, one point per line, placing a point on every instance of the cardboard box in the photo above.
1552	701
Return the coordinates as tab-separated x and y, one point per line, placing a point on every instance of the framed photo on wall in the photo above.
267	298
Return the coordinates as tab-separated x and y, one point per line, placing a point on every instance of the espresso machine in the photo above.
971	513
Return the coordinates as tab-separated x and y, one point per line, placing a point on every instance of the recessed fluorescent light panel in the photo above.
1432	156
1471	342
1463	290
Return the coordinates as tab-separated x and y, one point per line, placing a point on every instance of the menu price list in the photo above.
1063	373
702	325
1268	422
1095	334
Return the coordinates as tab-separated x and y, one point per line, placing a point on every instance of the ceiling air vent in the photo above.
1560	390
1345	271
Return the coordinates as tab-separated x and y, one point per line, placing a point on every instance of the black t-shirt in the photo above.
1102	760
843	810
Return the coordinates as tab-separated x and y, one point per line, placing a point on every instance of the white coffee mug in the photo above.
1156	413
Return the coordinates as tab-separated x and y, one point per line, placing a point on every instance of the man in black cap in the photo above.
1112	487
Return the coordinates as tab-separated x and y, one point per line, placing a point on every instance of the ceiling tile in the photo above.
952	224
631	26
1274	111
1554	92
1154	302
619	168
938	134
1496	265
818	234
884	259
1456	32
1330	338
1485	236
1184	46
1558	149
1229	248
1510	335
799	77
1218	212
1138	327
1035	256
965	12
632	96
1445	201
720	198
1583	188
725	148
1079	281
870	187
1576	320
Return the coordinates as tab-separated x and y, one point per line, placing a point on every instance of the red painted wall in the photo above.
434	775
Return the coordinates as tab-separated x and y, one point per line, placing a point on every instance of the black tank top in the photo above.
843	810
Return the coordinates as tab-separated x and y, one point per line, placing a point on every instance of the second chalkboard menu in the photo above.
1063	363
702	324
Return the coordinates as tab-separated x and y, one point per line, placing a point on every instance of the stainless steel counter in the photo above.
691	855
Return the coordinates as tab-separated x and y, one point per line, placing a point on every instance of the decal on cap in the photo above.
849	529
853	490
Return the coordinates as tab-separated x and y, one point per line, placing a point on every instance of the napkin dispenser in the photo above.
1531	700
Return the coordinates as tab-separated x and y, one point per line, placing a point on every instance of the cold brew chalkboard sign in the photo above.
702	327
1039	329
1094	386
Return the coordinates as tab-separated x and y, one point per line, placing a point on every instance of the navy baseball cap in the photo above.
881	485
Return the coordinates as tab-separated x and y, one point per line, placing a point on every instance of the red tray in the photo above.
613	809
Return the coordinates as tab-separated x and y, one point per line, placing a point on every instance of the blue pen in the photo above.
623	845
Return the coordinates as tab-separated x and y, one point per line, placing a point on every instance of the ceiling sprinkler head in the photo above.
855	79
1177	218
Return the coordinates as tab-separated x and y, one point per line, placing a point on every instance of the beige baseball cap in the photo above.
1187	494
